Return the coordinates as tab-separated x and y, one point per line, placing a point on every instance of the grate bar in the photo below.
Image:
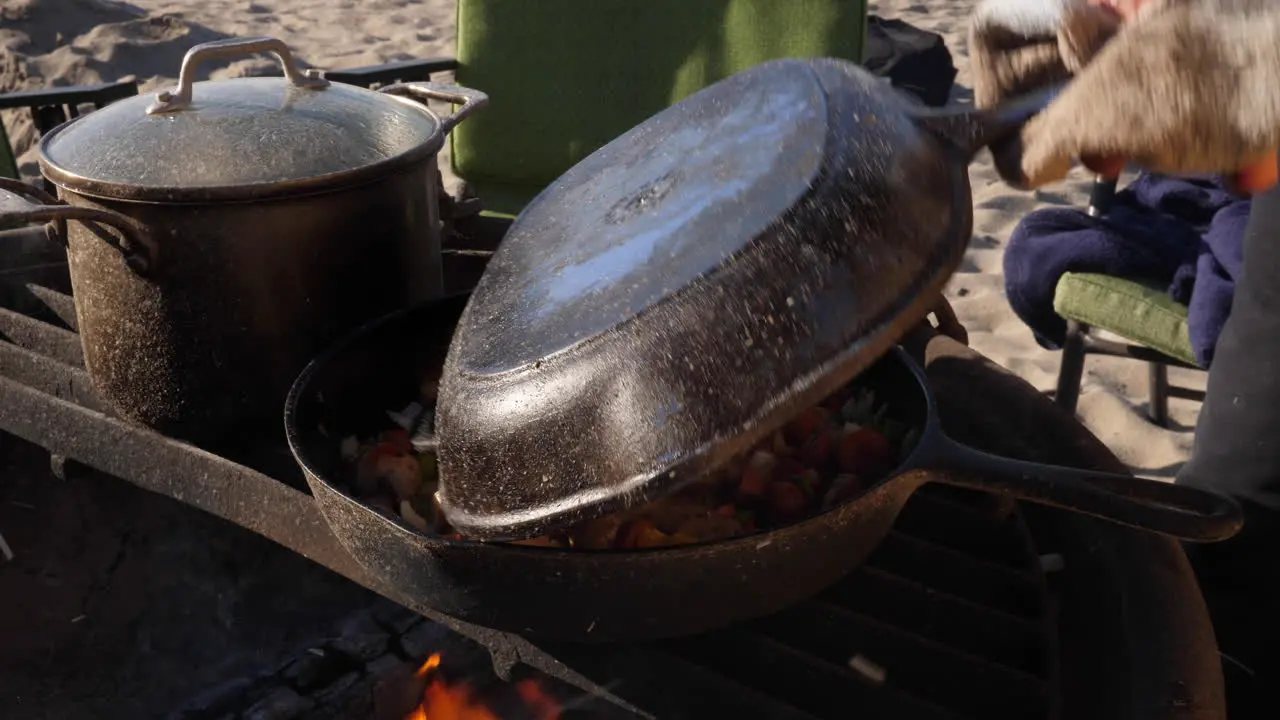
40	303
915	665
670	687
828	691
48	376
960	526
60	304
42	338
910	605
1012	591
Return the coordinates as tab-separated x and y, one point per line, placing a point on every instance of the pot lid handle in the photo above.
180	99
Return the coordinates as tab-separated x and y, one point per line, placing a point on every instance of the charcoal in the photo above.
422	640
361	639
281	704
383	666
393	617
314	670
218	701
337	691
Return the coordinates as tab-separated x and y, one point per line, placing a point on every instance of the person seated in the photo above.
1188	87
1184	235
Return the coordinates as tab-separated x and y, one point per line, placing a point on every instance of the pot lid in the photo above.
237	135
684	290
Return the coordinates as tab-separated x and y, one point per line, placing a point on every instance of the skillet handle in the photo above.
1179	511
970	130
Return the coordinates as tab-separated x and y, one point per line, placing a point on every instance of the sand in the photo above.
66	42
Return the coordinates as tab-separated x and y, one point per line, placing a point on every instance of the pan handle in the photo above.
22	204
971	130
1179	511
470	100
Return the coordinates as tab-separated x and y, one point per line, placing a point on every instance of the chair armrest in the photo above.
402	71
53	106
100	95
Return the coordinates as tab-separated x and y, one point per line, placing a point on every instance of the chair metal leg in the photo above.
1071	370
1158	393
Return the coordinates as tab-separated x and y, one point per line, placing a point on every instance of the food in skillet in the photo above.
823	457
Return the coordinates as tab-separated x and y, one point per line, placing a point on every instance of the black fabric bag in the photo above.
913	60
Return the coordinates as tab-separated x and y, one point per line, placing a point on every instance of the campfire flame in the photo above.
442	700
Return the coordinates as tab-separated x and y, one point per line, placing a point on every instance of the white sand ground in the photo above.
64	42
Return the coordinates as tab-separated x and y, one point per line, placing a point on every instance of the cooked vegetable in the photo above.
843	488
805	425
866	452
787	502
823	457
753	483
819	449
412	517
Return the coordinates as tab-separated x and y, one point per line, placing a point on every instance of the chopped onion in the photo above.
868	669
1052	563
763	460
350	448
407	417
412	517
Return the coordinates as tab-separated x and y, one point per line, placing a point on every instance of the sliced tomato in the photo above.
818	451
398	440
786	502
639	533
865	452
753	482
788	468
805	425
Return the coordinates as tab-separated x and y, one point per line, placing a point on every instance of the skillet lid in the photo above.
685	289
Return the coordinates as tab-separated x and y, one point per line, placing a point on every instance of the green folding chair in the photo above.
567	76
1153	326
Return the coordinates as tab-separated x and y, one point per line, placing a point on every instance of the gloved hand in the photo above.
1186	87
1018	46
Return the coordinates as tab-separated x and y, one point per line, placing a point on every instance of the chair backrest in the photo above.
567	76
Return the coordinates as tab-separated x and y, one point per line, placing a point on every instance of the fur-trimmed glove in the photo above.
1018	46
1187	88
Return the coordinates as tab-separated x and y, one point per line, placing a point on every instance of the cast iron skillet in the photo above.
595	596
690	286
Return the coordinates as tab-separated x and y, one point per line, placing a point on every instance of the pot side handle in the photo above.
180	98
1178	511
469	100
22	204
